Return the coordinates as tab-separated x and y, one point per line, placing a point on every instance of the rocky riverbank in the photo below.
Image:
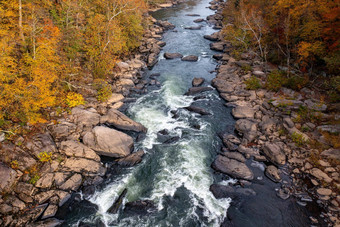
40	173
268	131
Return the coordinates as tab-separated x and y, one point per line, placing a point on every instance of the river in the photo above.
177	176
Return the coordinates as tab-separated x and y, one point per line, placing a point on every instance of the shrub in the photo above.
298	139
34	179
253	83
74	99
246	68
275	80
296	82
104	90
45	157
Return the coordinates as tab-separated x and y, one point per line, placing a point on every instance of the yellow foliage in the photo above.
74	99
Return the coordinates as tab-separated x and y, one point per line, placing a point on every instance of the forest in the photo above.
47	46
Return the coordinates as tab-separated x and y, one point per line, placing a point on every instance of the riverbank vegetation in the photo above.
50	48
300	36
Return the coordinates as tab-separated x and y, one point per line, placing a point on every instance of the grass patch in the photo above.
253	83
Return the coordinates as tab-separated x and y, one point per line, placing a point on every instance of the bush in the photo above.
275	80
298	139
74	99
296	82
253	83
104	90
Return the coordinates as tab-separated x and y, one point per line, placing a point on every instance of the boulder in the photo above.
116	205
274	153
85	118
140	207
199	20
77	149
131	159
165	24
197	82
7	177
73	183
121	121
223	191
42	143
172	55
109	142
219	46
50	212
115	97
232	167
234	155
212	37
51	222
194	27
198	110
83	166
197	90
331	153
273	173
63	130
190	58
10	152
192	15
247	151
45	181
243	112
319	174
247	128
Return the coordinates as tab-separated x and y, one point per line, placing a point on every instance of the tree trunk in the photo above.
21	30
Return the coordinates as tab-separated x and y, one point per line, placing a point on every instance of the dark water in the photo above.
176	177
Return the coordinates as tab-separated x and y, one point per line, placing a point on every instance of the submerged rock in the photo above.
140	206
172	55
190	58
232	167
116	205
197	90
198	110
197	81
223	191
131	159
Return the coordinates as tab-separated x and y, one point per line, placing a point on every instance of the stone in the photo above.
232	167
199	20
42	143
273	173
7	177
73	183
63	130
15	202
274	153
77	149
165	24
331	153
2	137
243	112
85	118
5	208
223	191
234	155
247	128
10	152
248	151
197	82
194	27
25	188
172	55
115	97
109	142
51	222
218	46
190	58
197	109
289	122
45	181
121	121
211	38
50	212
131	159
324	191
140	207
197	90
123	66
42	197
63	197
320	175
84	166
116	205
259	73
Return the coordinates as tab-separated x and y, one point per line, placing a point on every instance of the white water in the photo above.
183	165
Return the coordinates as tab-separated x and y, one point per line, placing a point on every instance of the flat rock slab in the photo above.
172	55
232	167
7	177
76	149
190	58
197	90
108	142
85	117
274	153
243	112
121	121
84	166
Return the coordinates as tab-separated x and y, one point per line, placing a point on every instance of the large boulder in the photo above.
232	167
121	121
73	183
109	142
85	118
243	112
273	173
63	131
274	153
219	46
7	177
41	143
76	149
